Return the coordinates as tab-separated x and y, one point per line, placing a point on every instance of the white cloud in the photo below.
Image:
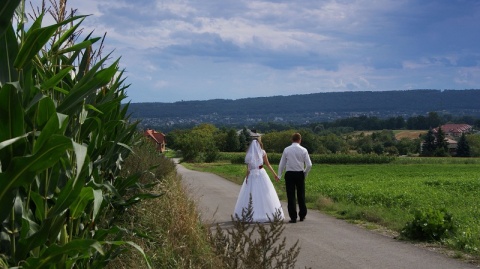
247	48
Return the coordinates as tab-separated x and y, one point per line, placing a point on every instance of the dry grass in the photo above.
410	134
325	203
167	228
169	231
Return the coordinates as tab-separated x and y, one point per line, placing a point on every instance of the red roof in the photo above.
454	128
157	136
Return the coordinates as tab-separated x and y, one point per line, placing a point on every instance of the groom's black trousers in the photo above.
295	182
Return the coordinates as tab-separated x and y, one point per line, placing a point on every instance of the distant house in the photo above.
252	133
452	146
454	130
158	138
452	133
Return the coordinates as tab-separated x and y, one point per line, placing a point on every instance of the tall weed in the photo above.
254	245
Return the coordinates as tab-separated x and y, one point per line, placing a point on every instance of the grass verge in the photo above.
168	227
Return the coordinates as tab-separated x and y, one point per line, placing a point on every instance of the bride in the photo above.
257	184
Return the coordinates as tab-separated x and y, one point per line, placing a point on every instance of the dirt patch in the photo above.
410	134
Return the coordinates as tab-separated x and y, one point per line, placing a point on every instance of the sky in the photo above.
182	50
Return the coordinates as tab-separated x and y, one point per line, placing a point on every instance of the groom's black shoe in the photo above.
302	218
292	221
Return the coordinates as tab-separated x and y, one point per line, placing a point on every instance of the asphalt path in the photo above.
325	242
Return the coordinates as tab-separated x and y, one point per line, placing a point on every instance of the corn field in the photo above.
63	136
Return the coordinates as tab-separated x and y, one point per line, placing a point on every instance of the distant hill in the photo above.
310	107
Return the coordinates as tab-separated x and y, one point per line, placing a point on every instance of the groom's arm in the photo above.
308	164
281	165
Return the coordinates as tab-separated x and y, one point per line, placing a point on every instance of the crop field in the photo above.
388	193
402	188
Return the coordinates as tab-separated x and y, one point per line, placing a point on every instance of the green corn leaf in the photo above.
97	202
83	199
137	247
82	116
46	110
35	40
122	184
53	81
9	142
93	108
16	221
8	52
39	202
29	226
66	35
80	46
48	231
34	101
11	113
114	231
79	92
22	169
84	75
74	187
7	9
138	198
66	197
80	157
77	249
58	89
52	127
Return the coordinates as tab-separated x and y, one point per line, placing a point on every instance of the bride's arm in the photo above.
267	163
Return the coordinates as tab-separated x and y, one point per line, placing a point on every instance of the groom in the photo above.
296	162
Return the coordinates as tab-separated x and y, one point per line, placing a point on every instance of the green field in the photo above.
387	194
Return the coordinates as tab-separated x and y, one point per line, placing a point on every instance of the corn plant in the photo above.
63	136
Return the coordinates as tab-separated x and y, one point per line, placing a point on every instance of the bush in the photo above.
254	245
430	225
238	159
274	158
466	240
351	159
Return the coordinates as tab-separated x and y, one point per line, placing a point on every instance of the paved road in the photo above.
325	242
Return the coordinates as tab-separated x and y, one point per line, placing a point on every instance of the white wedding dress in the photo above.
265	202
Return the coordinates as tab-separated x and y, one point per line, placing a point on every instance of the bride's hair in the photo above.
259	141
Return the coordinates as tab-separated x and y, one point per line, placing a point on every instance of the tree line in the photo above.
366	123
205	141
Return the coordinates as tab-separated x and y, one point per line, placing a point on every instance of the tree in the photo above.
474	143
309	140
433	119
244	139
408	146
333	143
441	144
463	148
277	141
378	148
198	144
429	145
232	143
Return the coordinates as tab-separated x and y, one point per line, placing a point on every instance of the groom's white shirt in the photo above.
295	158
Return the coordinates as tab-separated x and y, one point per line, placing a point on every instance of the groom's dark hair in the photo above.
296	137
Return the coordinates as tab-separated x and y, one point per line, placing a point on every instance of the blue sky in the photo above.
177	50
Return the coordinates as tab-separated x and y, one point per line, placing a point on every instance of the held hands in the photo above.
277	178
